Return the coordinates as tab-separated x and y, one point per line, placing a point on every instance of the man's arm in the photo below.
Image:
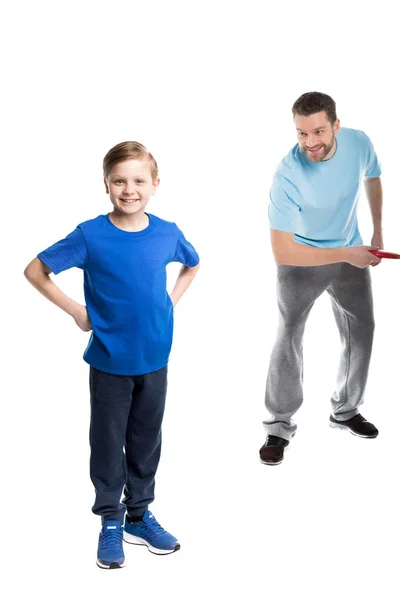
185	278
288	252
373	190
37	273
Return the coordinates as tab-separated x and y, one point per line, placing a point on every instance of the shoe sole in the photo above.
113	565
271	464
346	428
137	541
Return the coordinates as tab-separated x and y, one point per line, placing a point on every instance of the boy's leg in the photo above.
297	290
143	440
352	305
110	399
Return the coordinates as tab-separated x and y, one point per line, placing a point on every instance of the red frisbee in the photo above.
383	254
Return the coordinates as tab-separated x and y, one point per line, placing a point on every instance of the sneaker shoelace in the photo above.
272	440
154	526
111	538
358	418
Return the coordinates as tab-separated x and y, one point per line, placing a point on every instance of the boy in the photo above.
124	255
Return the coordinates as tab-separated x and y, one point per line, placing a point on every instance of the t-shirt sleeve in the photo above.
372	164
67	253
184	252
283	212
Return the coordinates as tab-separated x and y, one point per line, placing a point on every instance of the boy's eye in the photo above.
119	181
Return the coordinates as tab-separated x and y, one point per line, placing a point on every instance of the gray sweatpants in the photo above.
351	296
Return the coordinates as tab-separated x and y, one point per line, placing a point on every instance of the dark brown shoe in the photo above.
357	425
272	451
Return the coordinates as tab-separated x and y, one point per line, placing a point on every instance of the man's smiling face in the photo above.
316	136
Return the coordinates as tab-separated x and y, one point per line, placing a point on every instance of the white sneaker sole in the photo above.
137	541
114	565
271	464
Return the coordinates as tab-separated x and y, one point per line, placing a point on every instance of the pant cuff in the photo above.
281	430
137	513
116	517
345	416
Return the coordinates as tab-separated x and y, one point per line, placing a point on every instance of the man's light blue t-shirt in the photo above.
125	290
317	201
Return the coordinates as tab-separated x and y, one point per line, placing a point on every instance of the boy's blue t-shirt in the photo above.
317	201
125	290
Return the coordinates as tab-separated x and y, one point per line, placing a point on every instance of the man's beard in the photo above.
325	148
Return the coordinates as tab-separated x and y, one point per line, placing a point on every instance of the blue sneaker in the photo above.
148	532
110	554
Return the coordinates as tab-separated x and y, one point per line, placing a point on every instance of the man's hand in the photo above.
377	240
81	318
359	256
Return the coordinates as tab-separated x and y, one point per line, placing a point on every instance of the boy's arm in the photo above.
185	278
37	273
288	252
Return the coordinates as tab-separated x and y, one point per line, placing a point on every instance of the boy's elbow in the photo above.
28	272
34	270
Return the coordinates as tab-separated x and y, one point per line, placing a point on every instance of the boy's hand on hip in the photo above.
81	318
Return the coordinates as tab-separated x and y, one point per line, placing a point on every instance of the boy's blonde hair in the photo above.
127	151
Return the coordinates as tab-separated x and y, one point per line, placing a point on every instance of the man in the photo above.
318	247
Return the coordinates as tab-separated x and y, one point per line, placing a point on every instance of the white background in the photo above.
208	88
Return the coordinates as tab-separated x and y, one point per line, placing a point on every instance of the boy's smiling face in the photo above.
130	186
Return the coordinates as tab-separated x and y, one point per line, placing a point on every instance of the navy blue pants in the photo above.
125	440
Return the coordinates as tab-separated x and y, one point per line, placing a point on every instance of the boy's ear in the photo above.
106	184
156	183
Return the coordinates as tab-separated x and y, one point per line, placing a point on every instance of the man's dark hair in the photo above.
314	102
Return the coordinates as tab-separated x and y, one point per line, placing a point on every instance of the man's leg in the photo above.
352	304
297	290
